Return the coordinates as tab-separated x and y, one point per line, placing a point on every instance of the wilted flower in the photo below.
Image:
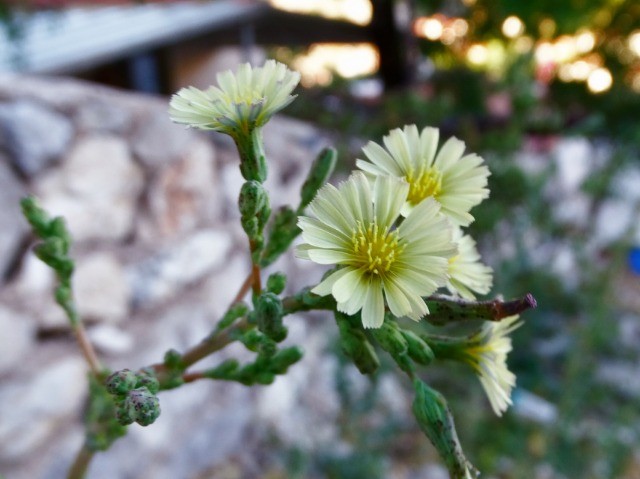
486	352
240	103
467	274
354	227
457	182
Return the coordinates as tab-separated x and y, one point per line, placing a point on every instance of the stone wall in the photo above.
159	254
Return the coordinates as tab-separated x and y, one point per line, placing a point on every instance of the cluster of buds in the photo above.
134	395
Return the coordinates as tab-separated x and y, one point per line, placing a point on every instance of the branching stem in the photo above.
81	463
256	284
215	342
87	348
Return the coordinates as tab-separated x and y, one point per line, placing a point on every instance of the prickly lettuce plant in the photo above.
393	235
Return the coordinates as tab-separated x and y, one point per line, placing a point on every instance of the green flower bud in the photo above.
319	174
434	418
121	382
390	338
269	316
283	232
417	348
276	283
58	228
147	379
236	311
125	412
356	346
225	370
173	359
285	358
252	339
267	348
265	378
254	202
35	215
143	406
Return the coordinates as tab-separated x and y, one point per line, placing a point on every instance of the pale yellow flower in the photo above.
354	227
467	274
241	101
457	182
486	352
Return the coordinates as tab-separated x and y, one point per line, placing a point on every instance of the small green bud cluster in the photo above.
402	345
269	363
53	251
254	213
134	396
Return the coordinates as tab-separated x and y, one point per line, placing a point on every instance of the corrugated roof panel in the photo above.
79	38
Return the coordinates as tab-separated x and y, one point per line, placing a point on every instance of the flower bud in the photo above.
253	201
236	311
35	215
284	358
125	414
434	418
276	283
283	231
417	348
121	382
142	405
391	339
319	174
269	316
173	359
355	345
146	379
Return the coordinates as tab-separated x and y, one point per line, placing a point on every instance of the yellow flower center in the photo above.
374	248
425	182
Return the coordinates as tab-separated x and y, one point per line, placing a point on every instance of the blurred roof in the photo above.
67	41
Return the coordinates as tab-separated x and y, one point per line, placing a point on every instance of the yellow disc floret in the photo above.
424	182
375	249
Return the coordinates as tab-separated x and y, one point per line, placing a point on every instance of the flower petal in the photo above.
373	308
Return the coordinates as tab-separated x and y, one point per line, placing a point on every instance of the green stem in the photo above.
256	283
87	349
81	463
216	341
305	300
